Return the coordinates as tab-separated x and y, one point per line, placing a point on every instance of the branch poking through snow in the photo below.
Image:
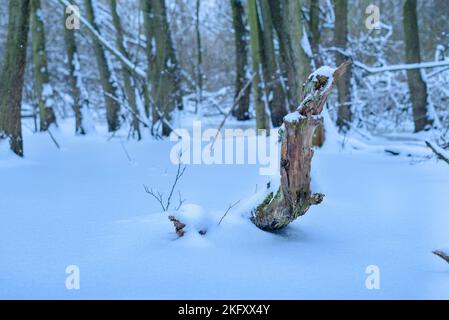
438	152
442	255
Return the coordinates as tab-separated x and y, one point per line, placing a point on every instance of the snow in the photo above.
293	117
324	71
106	44
305	44
84	205
401	67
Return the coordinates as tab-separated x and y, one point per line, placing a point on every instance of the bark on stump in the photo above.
294	196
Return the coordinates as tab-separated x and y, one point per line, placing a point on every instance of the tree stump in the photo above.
294	197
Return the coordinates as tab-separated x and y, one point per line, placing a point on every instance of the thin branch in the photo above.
237	100
227	211
126	151
146	125
53	139
165	121
127	63
401	67
437	152
181	201
158	197
442	255
179	174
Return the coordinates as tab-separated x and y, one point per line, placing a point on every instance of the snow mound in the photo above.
194	217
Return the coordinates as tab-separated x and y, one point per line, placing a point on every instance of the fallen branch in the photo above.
437	152
401	67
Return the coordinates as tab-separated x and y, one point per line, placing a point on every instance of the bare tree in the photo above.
417	86
199	53
256	53
128	79
274	92
164	73
12	74
105	70
241	112
344	116
43	89
74	78
289	24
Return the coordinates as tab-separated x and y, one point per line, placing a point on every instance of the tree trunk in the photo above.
314	39
289	24
256	52
344	116
294	196
42	87
199	53
128	79
164	74
273	86
74	79
416	84
315	34
105	71
12	74
241	112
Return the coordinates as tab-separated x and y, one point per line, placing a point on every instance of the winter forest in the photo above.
224	149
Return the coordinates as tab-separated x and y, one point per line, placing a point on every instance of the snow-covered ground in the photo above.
85	205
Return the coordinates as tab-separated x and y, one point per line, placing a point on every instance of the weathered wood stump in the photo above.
294	197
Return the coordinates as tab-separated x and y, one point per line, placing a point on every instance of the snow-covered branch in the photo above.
401	67
129	64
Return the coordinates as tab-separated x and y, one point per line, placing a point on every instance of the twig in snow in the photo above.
179	174
53	139
227	211
126	151
440	155
442	255
181	201
160	196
